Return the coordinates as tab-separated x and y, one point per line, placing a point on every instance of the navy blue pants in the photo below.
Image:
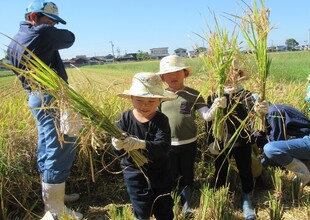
147	200
182	159
243	159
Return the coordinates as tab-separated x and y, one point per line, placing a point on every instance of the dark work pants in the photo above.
182	159
243	159
148	200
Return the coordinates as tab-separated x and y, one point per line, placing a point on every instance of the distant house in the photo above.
109	58
281	48
127	57
200	51
181	52
158	53
96	60
190	54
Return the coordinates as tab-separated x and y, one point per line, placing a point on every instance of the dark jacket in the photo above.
157	136
239	105
286	122
44	41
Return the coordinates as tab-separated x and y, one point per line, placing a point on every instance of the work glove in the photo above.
218	103
131	143
261	107
214	148
118	144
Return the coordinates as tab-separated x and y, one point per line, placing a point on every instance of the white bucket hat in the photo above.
147	85
173	63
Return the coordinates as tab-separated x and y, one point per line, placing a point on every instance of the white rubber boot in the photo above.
300	169
53	197
69	198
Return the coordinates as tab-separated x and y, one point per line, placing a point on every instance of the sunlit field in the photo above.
95	174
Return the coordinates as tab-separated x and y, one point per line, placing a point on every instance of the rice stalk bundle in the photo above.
218	60
42	77
255	27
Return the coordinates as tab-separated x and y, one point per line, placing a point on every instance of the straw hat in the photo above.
147	85
173	63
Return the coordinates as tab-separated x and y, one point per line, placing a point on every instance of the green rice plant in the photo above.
215	204
254	26
278	182
218	61
120	212
276	210
296	190
306	202
177	210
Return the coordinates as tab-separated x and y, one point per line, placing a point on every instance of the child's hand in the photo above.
214	148
261	107
118	144
131	143
220	102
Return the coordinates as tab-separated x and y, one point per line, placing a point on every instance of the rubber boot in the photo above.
69	198
248	209
300	169
53	197
186	195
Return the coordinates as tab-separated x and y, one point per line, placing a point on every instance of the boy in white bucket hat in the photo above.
181	114
148	131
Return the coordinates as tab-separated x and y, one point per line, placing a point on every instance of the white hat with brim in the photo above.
173	63
47	8
146	85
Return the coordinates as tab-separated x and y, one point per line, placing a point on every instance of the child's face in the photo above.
175	80
145	106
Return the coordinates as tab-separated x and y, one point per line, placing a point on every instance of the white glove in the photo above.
209	114
214	148
261	107
118	144
220	102
131	143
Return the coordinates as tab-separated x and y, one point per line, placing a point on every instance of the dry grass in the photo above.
98	86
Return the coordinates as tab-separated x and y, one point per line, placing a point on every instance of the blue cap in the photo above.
47	8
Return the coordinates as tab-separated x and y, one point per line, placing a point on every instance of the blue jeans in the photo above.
283	152
54	158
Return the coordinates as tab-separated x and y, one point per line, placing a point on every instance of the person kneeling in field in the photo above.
147	131
289	140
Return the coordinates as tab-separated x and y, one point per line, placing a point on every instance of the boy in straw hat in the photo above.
181	113
148	131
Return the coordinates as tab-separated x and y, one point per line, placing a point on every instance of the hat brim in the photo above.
176	69
127	95
54	17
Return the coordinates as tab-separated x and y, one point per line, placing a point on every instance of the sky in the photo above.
132	25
